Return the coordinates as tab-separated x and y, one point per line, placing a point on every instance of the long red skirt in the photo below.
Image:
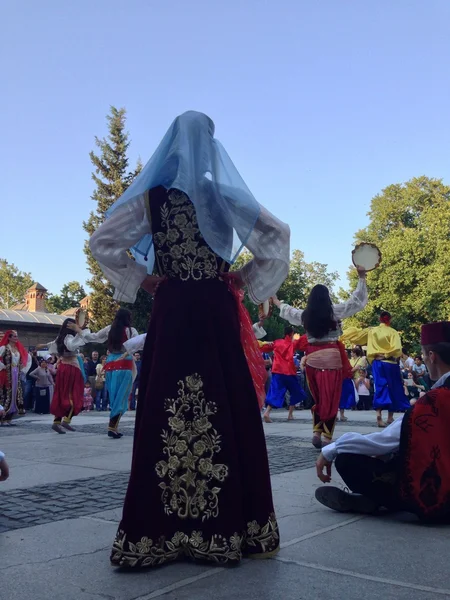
69	392
199	484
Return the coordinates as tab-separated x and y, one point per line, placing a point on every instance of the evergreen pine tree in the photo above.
111	177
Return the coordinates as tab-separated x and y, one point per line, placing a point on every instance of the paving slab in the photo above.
395	547
62	539
261	580
43	473
90	575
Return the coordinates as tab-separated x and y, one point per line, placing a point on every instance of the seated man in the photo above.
407	466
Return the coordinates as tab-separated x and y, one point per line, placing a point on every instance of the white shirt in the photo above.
379	443
354	304
135	343
101	336
407	364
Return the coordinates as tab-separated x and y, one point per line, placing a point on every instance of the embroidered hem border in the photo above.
255	541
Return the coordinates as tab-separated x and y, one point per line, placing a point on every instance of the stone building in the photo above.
34	324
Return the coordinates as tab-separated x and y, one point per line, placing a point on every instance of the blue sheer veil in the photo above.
190	159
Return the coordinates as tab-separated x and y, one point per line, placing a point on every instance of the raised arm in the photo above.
357	301
95	337
110	245
259	331
356	336
135	344
269	244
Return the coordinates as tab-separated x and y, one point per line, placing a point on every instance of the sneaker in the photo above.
342	501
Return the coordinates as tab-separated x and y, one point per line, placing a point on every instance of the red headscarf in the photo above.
386	319
23	353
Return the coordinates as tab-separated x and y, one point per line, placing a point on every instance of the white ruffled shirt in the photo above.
74	342
263	276
357	301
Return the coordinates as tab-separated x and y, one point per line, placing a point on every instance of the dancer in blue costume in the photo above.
120	367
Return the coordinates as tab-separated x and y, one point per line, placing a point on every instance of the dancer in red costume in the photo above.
326	361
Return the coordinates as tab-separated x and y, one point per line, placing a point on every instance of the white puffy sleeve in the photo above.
2	352
27	367
291	314
135	344
98	337
269	244
52	347
134	333
110	243
259	331
357	301
379	443
73	342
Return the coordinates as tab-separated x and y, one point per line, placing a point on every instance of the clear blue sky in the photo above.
319	104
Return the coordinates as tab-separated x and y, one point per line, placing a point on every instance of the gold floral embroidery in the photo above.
181	249
261	540
145	553
190	476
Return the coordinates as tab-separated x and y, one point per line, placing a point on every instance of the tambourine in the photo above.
81	317
366	256
265	309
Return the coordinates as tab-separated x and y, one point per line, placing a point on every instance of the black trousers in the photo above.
374	478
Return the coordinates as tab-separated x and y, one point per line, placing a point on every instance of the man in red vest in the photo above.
407	466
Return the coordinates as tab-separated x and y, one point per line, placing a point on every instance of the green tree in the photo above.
111	177
70	297
13	284
302	277
410	223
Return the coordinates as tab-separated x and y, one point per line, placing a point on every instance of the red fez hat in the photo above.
435	333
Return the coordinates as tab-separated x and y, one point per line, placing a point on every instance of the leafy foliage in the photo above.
70	297
410	223
13	284
112	177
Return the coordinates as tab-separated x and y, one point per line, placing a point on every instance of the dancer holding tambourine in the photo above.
326	359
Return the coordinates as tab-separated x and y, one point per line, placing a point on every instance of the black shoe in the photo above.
68	426
56	427
115	435
341	501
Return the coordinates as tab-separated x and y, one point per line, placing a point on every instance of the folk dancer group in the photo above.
68	396
199	485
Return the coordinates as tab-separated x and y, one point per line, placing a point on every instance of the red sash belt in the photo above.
119	365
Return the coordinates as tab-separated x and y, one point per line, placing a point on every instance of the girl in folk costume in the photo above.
120	369
67	401
195	490
327	364
13	359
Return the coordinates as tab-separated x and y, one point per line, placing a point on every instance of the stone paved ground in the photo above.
60	508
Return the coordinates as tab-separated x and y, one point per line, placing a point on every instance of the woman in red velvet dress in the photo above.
199	484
